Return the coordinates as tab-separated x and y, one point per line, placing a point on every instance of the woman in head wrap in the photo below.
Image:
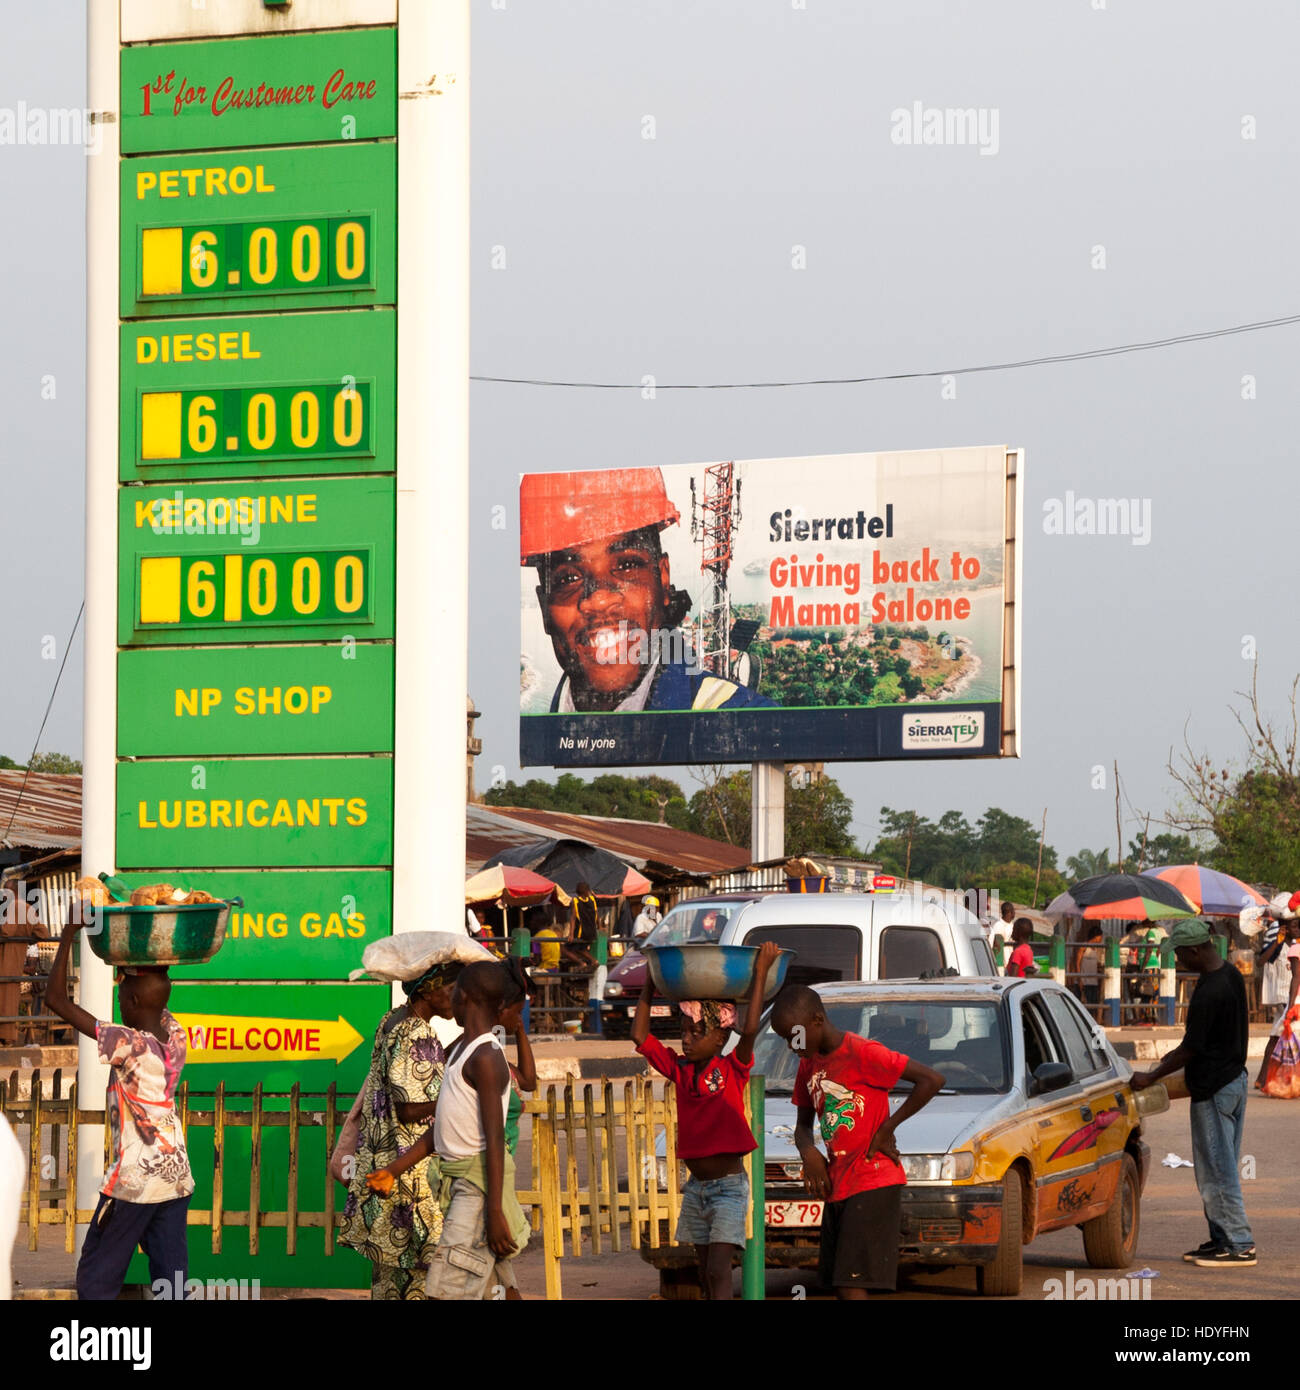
398	1235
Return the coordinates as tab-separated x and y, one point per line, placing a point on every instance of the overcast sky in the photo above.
1118	128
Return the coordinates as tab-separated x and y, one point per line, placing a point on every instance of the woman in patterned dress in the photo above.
398	1235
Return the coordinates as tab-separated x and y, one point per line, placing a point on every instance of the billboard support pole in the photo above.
766	811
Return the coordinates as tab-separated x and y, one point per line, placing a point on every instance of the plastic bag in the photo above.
407	955
1283	1076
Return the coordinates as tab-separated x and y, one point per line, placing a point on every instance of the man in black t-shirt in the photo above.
1213	1056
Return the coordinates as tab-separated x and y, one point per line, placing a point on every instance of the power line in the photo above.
1151	345
27	771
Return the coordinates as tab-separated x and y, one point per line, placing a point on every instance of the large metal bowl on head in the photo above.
702	970
173	934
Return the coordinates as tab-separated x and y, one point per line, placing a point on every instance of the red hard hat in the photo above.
560	510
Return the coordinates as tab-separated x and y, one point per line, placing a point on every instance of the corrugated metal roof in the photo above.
48	816
637	842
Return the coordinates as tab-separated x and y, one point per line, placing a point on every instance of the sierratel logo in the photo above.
936	730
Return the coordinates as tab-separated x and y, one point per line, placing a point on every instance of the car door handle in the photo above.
1086	1112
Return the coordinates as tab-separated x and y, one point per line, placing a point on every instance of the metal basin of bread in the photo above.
703	970
174	934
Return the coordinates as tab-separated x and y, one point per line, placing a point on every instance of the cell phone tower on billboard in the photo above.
712	522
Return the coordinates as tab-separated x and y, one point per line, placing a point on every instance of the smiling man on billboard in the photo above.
606	595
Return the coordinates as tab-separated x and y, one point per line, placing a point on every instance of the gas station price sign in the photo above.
236	423
260	228
284	587
250	258
258	394
257	562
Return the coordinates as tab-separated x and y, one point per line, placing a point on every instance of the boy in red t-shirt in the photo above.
847	1080
713	1135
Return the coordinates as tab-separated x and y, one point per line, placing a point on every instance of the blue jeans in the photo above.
713	1211
1217	1126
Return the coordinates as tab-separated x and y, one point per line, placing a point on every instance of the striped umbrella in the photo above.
1121	897
1210	892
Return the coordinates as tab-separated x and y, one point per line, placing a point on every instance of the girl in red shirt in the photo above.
713	1136
1021	963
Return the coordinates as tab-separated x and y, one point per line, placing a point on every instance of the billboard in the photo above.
842	607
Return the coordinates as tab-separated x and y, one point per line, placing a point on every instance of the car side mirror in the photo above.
1051	1076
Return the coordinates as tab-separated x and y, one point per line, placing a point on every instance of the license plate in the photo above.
793	1214
656	1011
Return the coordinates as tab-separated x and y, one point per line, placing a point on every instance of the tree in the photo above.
625	798
1088	864
1004	837
8	763
952	853
54	762
1015	882
720	809
817	816
1251	814
1160	850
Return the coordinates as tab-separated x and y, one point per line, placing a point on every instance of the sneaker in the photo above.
1227	1259
1205	1248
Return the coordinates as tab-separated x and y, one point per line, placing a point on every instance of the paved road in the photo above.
1172	1222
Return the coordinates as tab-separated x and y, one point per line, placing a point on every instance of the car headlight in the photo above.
938	1167
613	989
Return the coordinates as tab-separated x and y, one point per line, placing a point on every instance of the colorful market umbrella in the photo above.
511	887
1121	897
570	862
635	885
1210	892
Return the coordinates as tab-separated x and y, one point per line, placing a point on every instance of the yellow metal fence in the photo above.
596	1181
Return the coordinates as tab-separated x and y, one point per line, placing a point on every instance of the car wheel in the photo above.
1005	1274
680	1283
1110	1240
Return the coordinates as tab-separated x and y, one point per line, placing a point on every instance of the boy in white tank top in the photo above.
483	1225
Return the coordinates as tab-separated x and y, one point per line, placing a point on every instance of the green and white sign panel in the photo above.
254	617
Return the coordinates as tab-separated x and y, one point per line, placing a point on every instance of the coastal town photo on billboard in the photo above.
856	606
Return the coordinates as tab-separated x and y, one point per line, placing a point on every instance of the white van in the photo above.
841	936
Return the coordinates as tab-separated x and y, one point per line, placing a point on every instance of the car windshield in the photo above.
963	1040
693	922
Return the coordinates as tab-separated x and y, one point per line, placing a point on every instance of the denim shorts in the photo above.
713	1212
463	1265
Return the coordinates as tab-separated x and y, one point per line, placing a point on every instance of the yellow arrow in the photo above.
235	1038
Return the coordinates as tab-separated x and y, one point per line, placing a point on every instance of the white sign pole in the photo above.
432	465
99	716
766	811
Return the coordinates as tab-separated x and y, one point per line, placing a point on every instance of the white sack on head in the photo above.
1277	907
1251	920
407	955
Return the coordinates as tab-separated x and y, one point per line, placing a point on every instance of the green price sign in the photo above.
237	423
257	561
278	394
251	258
264	228
276	589
281	813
